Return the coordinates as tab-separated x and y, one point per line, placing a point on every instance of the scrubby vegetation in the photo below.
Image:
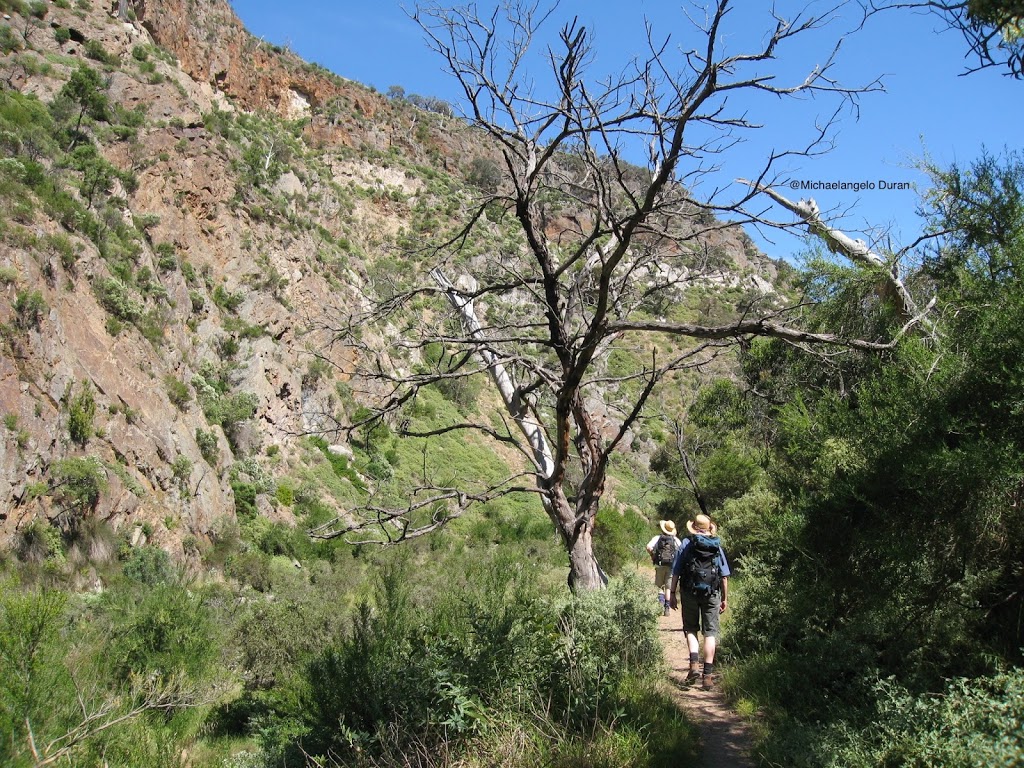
873	504
870	502
352	659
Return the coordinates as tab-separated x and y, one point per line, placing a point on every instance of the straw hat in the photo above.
702	524
668	527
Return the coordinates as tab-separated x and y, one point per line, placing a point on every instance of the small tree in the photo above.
86	89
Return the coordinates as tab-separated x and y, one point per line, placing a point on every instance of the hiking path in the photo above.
726	740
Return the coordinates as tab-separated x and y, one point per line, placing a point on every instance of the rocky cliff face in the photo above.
176	279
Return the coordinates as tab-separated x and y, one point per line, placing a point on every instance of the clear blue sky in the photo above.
928	105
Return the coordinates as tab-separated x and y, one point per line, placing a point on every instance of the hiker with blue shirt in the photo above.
702	570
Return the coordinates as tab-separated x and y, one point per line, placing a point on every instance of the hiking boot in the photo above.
694	672
707	682
668	609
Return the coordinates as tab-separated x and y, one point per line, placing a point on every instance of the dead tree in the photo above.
604	246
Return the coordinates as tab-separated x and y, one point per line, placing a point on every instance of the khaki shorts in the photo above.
663	576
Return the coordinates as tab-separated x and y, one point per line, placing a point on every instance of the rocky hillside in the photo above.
178	202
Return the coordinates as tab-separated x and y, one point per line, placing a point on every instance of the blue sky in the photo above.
928	107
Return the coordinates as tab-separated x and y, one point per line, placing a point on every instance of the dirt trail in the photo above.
725	739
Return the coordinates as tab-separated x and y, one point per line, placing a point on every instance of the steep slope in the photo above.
177	202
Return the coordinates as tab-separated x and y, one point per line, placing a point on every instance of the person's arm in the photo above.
726	572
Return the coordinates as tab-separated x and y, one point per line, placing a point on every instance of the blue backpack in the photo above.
702	571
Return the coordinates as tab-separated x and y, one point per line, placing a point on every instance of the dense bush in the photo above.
887	559
494	645
971	723
121	682
76	485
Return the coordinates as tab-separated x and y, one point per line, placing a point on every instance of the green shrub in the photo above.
29	308
94	50
9	41
167	256
178	392
207	442
229	411
285	493
163	630
38	542
490	643
181	468
245	498
61	35
149	565
251	569
974	723
81	410
33	678
116	297
227	300
77	483
618	538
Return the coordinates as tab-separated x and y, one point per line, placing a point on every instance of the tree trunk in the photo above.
584	572
577	532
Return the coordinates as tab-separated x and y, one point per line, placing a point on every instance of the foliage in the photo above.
453	383
495	645
149	565
898	477
993	30
227	411
76	485
484	174
40	542
29	308
207	442
9	41
178	392
86	90
81	409
167	630
118	299
971	722
617	537
66	696
31	671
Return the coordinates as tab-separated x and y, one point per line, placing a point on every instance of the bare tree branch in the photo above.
605	249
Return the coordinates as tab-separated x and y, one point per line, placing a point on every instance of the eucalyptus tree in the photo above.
598	181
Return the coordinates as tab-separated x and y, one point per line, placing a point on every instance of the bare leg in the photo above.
692	645
710	644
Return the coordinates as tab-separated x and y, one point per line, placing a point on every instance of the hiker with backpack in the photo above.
662	549
701	570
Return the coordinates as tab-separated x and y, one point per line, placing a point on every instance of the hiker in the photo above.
662	549
702	571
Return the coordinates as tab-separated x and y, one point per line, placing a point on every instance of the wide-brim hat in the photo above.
668	527
702	524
